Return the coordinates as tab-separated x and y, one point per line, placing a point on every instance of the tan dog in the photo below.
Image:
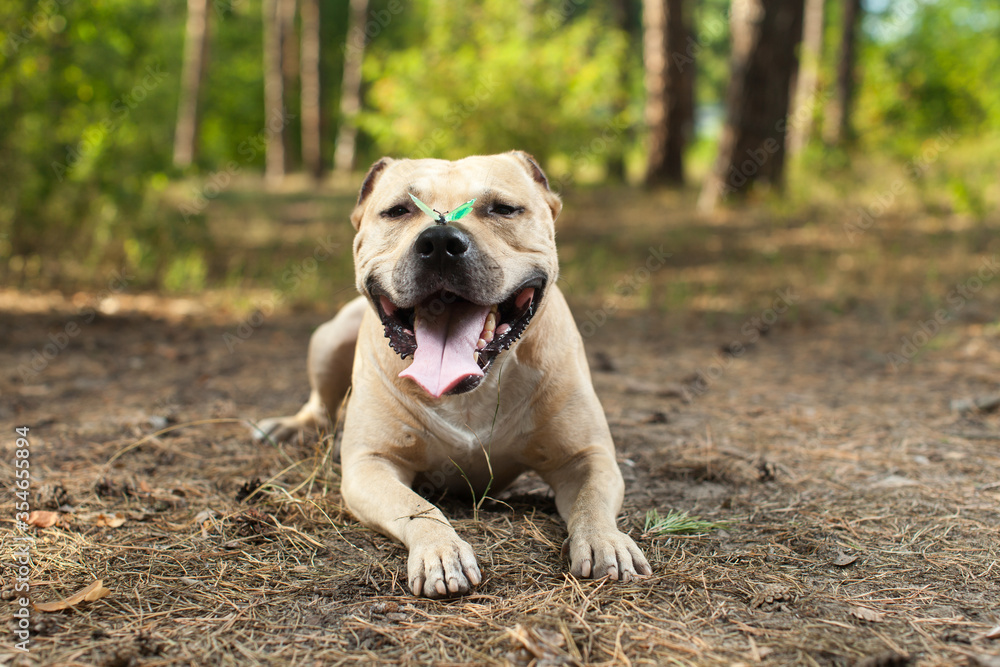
498	383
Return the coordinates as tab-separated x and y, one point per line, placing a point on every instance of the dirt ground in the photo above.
858	509
861	512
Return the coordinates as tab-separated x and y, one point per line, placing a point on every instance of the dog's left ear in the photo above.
538	176
366	189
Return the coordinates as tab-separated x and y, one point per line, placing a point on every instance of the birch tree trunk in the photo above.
192	74
800	128
274	96
309	63
350	91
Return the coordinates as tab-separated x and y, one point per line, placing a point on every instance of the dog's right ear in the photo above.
527	161
366	189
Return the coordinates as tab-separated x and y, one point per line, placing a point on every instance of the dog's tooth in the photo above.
491	322
481	344
475	356
488	336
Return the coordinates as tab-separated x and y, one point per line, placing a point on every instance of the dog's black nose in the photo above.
441	245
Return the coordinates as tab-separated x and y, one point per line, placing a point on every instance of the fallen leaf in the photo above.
843	560
546	646
204	515
109	520
866	614
43	518
890	659
983	660
894	482
94	591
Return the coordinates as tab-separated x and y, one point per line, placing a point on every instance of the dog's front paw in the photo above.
443	568
609	553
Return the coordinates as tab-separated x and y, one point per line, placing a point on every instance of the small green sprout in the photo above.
677	523
447	216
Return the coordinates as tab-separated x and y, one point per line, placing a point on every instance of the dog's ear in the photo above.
538	176
366	189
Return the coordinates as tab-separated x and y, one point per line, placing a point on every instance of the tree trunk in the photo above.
309	62
615	168
667	85
350	89
800	127
274	94
837	128
765	34
289	73
192	74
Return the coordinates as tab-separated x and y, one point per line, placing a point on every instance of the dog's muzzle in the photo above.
454	340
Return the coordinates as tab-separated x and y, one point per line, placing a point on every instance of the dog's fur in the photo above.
535	407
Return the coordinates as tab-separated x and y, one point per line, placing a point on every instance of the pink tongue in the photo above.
445	344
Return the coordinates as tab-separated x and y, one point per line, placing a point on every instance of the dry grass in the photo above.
861	520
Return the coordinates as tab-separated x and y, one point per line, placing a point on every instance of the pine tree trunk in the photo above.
309	61
800	127
664	34
350	90
837	126
274	94
765	34
192	74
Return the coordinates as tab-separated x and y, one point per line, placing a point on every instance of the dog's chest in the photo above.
496	417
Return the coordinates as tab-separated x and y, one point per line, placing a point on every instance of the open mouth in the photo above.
454	341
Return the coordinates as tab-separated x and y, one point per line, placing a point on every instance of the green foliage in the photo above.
89	94
933	69
478	78
84	87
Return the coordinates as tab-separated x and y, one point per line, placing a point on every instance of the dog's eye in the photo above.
397	211
505	210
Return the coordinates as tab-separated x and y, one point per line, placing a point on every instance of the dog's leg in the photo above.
589	492
378	493
331	357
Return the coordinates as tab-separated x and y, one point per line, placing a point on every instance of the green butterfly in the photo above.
447	216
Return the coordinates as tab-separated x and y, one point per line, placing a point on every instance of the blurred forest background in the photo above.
184	146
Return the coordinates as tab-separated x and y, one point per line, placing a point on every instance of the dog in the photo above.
465	368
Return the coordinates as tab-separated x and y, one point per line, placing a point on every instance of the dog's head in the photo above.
454	294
